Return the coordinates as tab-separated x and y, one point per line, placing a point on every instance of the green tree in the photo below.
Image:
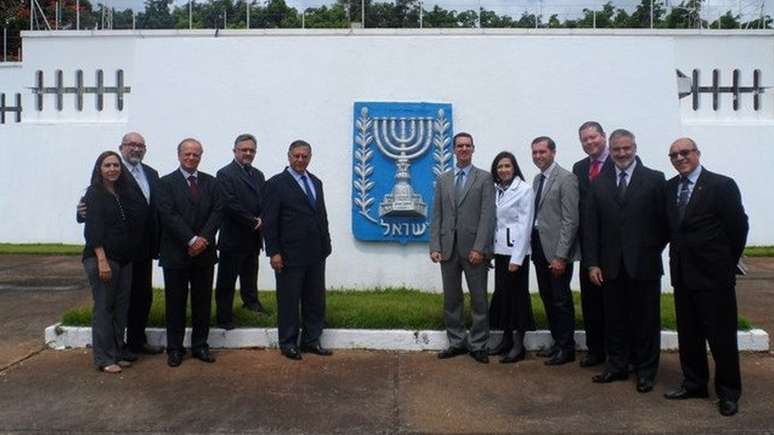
687	15
156	15
440	17
326	17
726	21
600	19
640	18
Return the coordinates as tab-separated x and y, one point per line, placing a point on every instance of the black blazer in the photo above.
182	218
145	225
633	231
241	197
292	227
706	246
147	213
110	225
581	171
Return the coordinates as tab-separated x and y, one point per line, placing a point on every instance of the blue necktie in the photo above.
308	189
621	186
459	183
682	199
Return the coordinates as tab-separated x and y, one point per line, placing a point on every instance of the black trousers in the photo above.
304	285
556	296
709	316
140	301
632	324
177	283
592	304
230	266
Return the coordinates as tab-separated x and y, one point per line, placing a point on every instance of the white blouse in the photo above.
515	211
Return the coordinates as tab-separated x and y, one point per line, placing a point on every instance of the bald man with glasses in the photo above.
708	231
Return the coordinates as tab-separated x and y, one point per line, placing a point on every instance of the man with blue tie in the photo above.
708	228
297	243
462	240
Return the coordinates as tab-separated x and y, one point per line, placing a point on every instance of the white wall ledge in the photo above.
70	337
391	32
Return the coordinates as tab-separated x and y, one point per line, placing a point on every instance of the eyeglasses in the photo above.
681	153
139	146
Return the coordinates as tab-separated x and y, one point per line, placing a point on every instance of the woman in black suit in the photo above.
107	261
511	309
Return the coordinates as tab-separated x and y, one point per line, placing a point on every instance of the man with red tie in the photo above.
592	139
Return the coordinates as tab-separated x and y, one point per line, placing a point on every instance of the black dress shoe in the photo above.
514	356
174	359
502	347
727	408
204	355
258	308
547	352
317	349
451	352
682	393
644	385
591	360
292	353
228	326
128	356
149	349
561	357
480	356
607	377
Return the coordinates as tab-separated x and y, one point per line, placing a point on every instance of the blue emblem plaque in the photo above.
398	150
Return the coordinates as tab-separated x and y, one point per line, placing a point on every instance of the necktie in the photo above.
194	187
459	183
538	194
595	166
621	186
138	177
308	189
682	198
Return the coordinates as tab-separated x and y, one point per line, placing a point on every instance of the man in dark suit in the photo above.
462	240
239	240
708	233
624	235
297	243
190	212
594	143
555	247
141	205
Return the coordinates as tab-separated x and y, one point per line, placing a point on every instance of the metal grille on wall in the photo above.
79	90
4	108
691	86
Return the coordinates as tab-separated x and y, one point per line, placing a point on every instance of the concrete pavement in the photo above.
259	391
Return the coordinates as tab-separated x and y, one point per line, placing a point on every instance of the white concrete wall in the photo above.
506	87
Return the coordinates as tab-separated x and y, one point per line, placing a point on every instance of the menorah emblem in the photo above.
403	140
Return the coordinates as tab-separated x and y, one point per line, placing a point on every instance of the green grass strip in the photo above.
397	308
759	251
40	249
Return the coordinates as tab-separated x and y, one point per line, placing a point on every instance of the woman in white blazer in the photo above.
510	309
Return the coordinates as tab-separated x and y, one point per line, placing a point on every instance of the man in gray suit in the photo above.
461	237
554	247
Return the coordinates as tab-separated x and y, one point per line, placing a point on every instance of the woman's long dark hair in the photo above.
97	181
512	158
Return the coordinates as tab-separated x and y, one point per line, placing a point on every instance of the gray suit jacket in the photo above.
557	215
472	218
